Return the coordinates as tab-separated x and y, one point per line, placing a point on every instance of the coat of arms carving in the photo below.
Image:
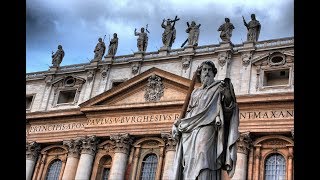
154	89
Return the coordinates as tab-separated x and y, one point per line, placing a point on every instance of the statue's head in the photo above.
142	30
59	47
100	39
193	23
168	21
206	72
115	35
226	20
253	16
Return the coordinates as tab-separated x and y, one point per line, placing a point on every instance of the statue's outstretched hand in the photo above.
175	132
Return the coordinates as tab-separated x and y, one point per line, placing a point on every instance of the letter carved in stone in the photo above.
122	142
32	150
154	89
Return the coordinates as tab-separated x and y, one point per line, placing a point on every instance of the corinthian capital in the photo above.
32	150
122	142
89	145
170	142
244	142
73	147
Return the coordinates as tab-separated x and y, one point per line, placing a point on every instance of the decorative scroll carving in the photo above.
244	142
154	89
89	145
170	142
122	142
224	57
48	79
246	58
73	147
32	150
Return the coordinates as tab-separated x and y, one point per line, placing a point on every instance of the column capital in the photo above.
73	147
244	142
89	145
170	141
122	142
32	150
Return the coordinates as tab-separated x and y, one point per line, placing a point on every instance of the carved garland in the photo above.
154	89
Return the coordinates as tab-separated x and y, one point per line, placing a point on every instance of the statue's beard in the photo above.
206	80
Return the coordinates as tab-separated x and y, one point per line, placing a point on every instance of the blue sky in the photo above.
77	24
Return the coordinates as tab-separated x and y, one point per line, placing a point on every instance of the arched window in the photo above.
275	167
149	167
54	170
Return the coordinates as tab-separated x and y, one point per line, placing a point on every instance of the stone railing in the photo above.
124	58
73	67
149	55
34	75
206	48
275	43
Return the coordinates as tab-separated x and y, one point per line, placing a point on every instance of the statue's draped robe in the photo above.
253	30
201	145
113	46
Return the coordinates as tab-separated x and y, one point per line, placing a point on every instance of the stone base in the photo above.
108	59
164	51
226	44
248	44
138	54
189	48
53	69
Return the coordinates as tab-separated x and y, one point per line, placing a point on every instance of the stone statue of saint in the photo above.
113	46
169	34
99	50
57	57
142	41
253	27
208	132
194	32
226	30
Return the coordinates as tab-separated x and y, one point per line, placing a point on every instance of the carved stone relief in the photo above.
32	150
186	62
246	58
122	142
135	68
104	71
244	142
73	147
89	145
154	89
276	59
90	75
224	57
170	142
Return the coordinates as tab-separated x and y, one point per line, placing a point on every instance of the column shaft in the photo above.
84	167
119	165
168	164
71	168
29	168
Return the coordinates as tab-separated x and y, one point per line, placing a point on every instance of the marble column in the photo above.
32	151
169	157
120	158
88	151
242	157
73	158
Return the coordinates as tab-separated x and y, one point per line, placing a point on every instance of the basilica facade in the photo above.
112	119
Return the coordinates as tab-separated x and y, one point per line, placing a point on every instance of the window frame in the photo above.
264	161
263	72
32	100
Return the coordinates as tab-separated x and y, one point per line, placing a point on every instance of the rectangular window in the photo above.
276	77
28	102
66	96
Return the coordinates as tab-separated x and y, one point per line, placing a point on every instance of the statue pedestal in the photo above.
225	45
189	48
53	68
249	44
139	54
109	59
164	51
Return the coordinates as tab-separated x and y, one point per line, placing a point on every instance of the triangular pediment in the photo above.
264	59
152	87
